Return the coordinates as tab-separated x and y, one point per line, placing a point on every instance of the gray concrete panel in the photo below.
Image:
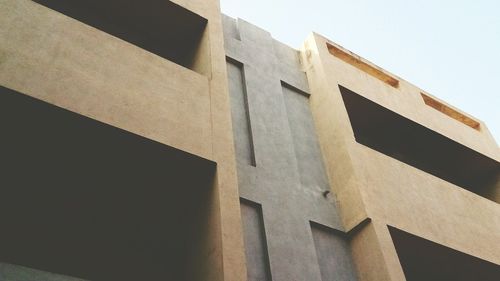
289	67
289	178
239	113
230	27
334	256
255	242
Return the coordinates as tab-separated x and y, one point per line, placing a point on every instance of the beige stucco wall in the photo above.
62	61
59	60
369	184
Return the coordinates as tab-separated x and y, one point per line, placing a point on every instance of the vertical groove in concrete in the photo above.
333	253
289	180
240	112
255	242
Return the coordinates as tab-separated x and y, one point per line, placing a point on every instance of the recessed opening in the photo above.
398	137
85	199
443	108
358	62
422	259
254	235
240	112
158	26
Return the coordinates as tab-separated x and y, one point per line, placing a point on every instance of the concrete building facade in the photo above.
162	140
293	231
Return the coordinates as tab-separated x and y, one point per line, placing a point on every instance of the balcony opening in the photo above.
400	138
358	62
443	108
422	259
158	26
84	199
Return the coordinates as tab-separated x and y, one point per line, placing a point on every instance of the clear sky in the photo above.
449	48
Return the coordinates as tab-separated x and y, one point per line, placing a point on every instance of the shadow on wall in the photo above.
422	259
400	138
85	199
158	26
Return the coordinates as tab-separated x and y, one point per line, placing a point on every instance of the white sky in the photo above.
451	49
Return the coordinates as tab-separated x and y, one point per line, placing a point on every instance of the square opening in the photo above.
85	199
407	141
422	259
158	26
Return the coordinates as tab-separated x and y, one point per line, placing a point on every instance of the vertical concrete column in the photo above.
292	230
374	253
233	255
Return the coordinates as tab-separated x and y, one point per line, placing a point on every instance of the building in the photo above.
161	140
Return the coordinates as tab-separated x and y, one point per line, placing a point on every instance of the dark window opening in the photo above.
85	199
158	26
398	137
422	259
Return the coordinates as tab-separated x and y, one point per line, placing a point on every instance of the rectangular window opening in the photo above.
160	27
357	62
409	142
443	108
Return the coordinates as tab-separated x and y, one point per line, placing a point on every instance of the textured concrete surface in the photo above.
59	60
255	242
117	83
166	29
370	184
280	165
334	254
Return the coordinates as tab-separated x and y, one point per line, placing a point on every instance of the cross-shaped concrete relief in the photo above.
291	226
